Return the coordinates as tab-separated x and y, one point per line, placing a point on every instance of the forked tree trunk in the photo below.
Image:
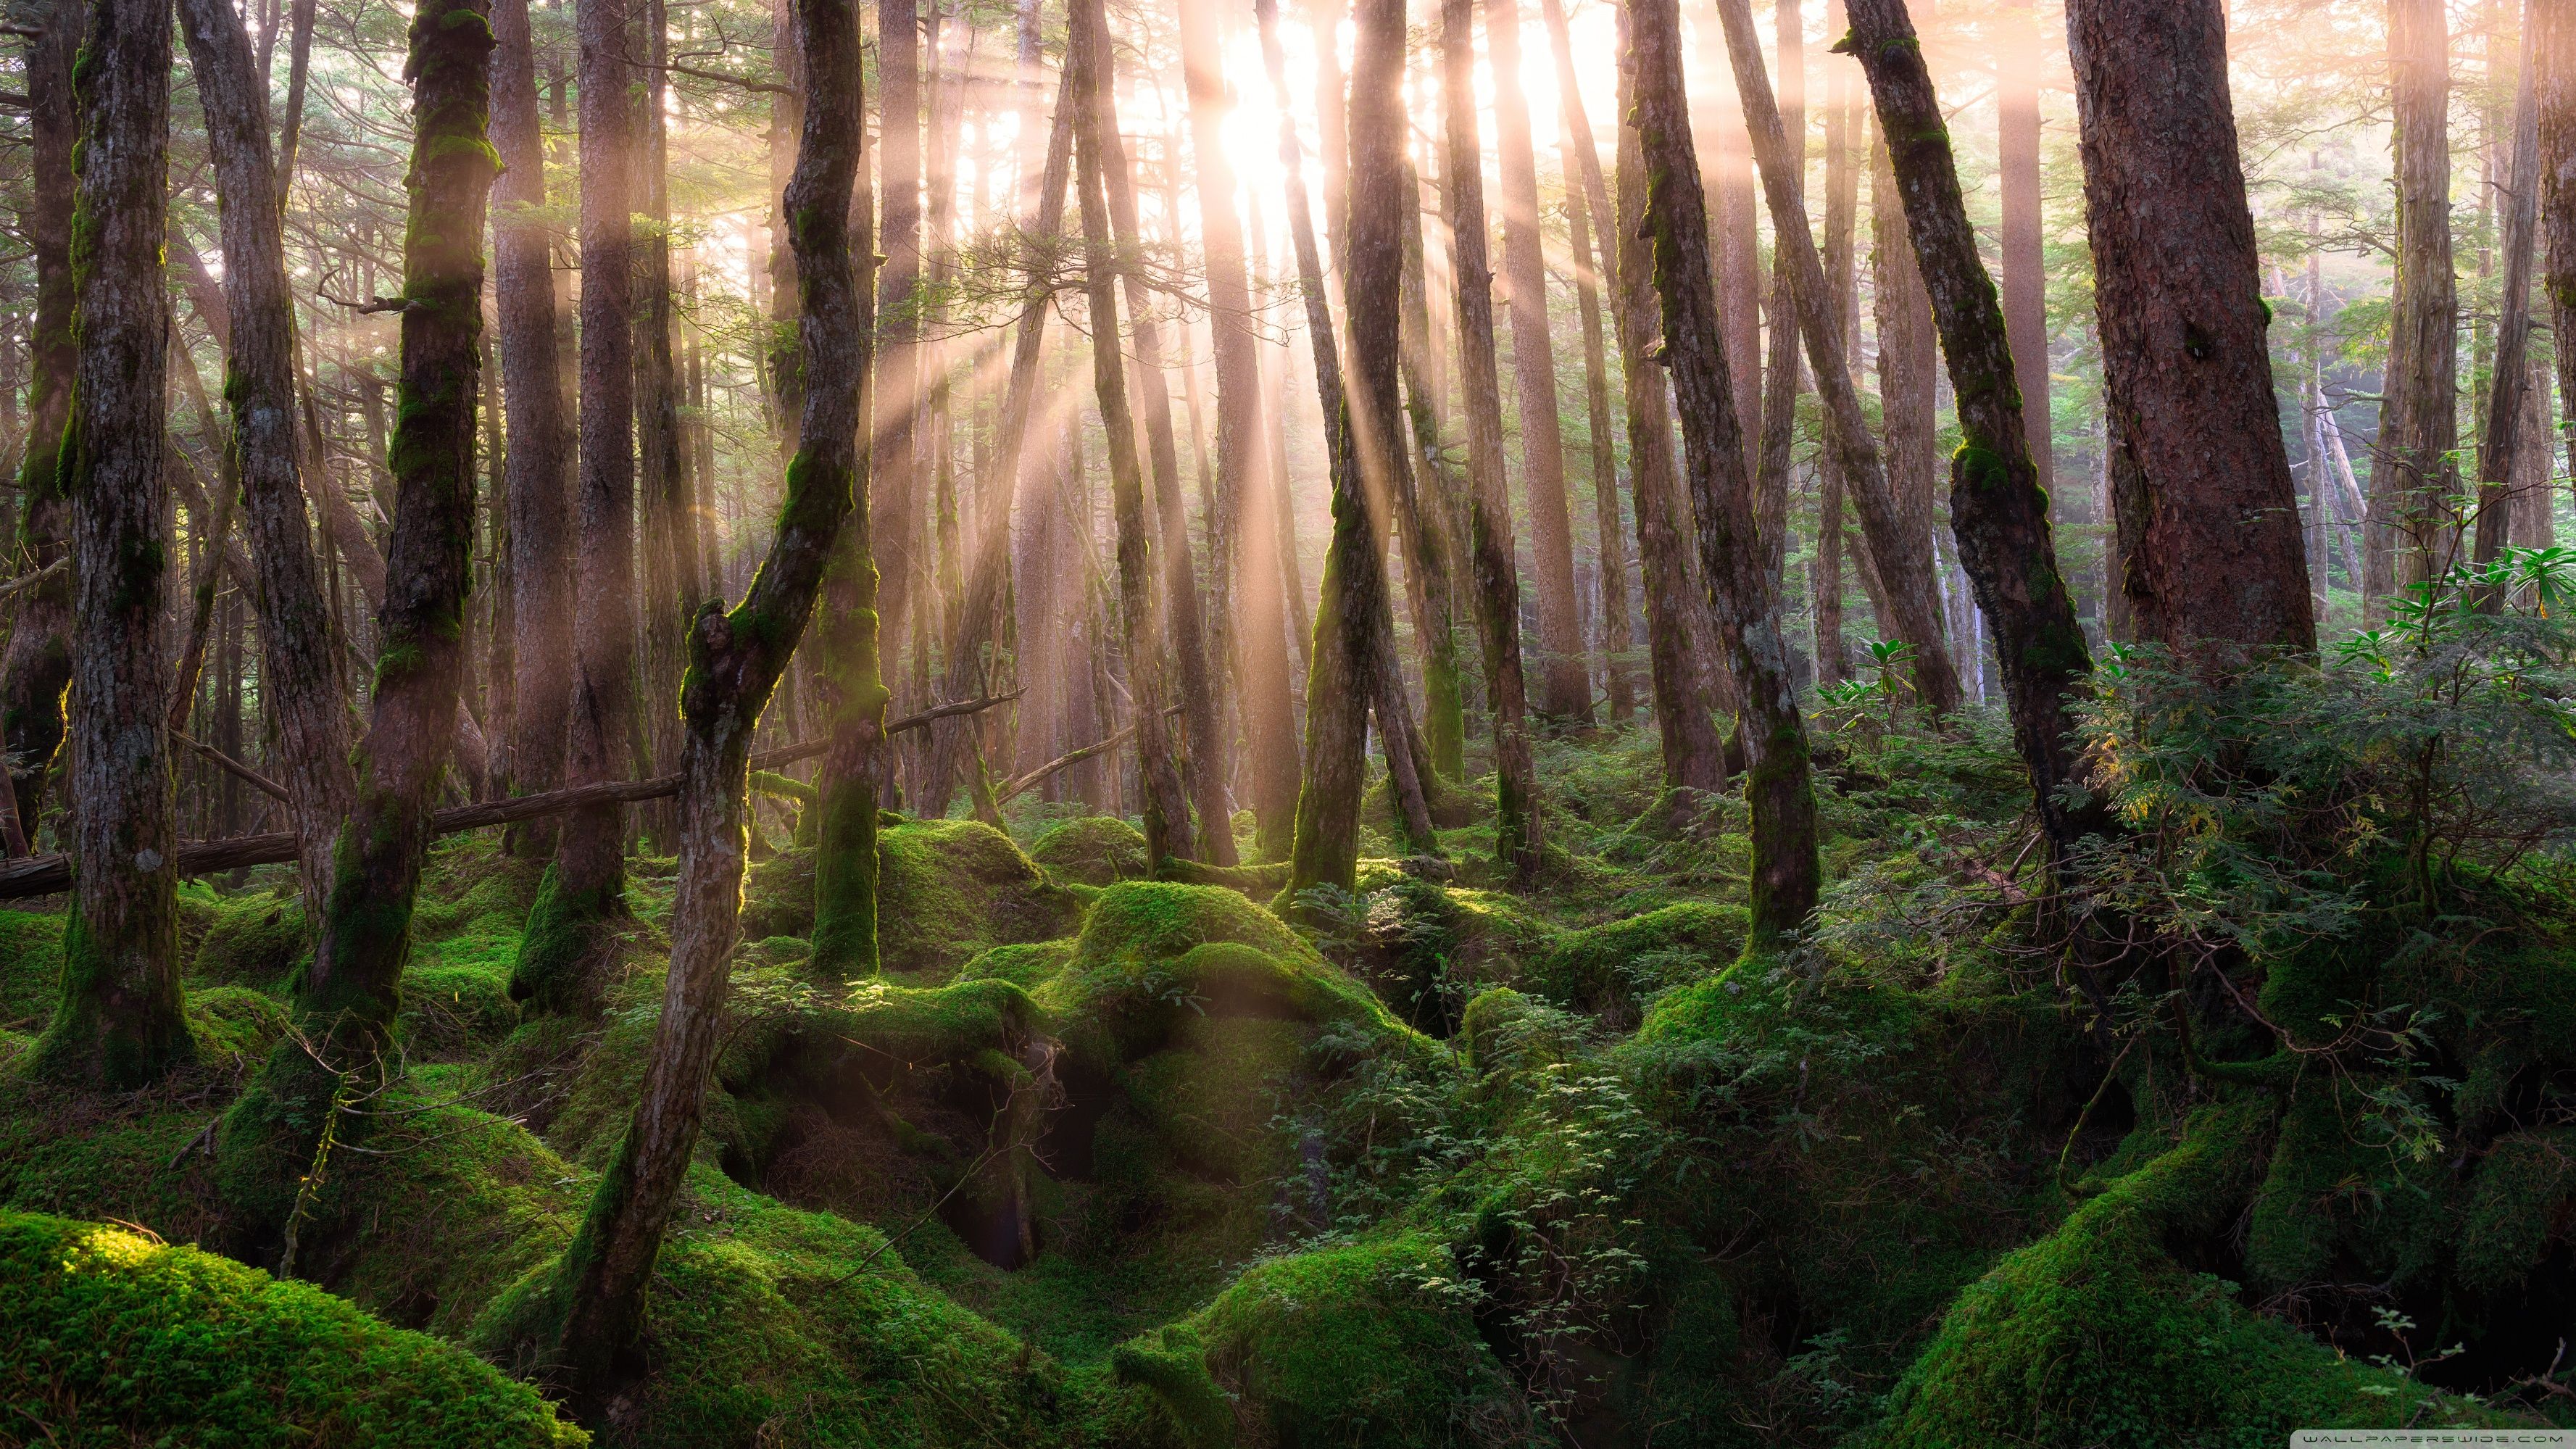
1777	789
1565	688
1489	517
1913	597
2208	520
118	1022
1166	801
1998	512
299	675
589	1317
351	990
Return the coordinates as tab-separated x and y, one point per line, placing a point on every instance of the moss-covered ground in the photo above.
1104	1159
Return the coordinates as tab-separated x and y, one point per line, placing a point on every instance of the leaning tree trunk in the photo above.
118	1023
537	499
1998	511
1166	801
1685	717
300	676
1777	788
589	1314
310	1094
1565	687
1913	596
2413	476
38	664
1489	516
567	944
2208	518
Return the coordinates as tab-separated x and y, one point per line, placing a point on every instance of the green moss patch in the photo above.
1094	850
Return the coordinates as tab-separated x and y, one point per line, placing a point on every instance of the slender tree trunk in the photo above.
2553	67
900	383
2413	479
591	1317
1909	367
670	547
1777	789
1913	599
1726	178
1694	755
1842	212
1166	801
299	69
1998	512
1565	689
2025	280
300	673
1517	836
2499	456
37	665
2209	523
1782	377
538	498
585	891
118	1023
1426	511
1267	640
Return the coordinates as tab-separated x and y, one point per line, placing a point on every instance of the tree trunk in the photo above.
591	1314
1782	377
1998	511
300	674
538	499
669	569
2413	479
1726	178
1842	213
1909	368
1913	599
1427	512
1166	802
38	666
1266	640
1517	836
2553	66
2500	454
899	383
567	938
2025	279
1565	688
1582	164
1694	755
118	1024
2208	521
1777	789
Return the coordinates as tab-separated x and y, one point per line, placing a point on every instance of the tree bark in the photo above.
118	1023
1517	837
537	497
669	556
1425	508
898	383
1777	790
37	665
1565	688
2208	521
1166	801
1913	599
1909	369
2553	65
2025	279
1998	511
1842	214
1685	718
2499	454
300	674
592	1314
1269	639
2412	477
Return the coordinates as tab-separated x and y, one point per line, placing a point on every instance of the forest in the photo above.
1175	724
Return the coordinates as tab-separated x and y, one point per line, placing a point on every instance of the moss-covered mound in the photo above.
1609	968
31	968
1094	850
114	1338
946	889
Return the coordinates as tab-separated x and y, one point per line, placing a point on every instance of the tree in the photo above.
2553	67
117	1024
1777	788
1565	687
2503	443
587	1314
2208	520
1998	510
2412	474
300	672
2017	71
1517	835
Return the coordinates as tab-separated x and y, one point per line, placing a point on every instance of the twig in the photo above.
231	766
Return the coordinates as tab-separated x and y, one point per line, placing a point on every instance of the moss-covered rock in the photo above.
1609	968
258	942
1094	850
116	1338
946	889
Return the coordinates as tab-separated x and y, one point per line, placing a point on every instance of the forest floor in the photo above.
1107	1160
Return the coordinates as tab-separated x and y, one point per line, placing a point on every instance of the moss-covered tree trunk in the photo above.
1489	516
1676	610
37	664
1165	800
300	675
1778	790
567	945
1913	596
118	1022
346	1001
587	1317
1427	512
2208	518
537	499
1998	511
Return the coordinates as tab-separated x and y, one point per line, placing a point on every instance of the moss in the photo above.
256	943
119	1338
31	967
2516	1209
1094	850
563	957
1611	967
945	890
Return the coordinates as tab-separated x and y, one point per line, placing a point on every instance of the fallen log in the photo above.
45	875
